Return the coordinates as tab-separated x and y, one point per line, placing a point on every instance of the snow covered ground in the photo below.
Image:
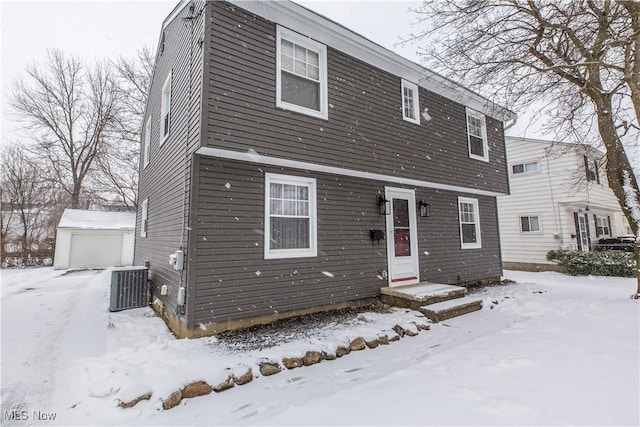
548	350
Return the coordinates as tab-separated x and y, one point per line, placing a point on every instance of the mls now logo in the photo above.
15	415
22	415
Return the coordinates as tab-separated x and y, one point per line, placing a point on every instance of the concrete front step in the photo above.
421	294
451	308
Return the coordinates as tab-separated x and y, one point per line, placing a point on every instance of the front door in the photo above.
582	231
402	237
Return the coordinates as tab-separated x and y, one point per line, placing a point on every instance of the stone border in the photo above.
269	367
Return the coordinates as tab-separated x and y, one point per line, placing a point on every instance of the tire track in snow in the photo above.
34	323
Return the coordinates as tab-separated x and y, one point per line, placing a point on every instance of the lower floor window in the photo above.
529	224
290	216
603	226
469	218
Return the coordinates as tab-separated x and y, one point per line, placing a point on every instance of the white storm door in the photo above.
583	233
402	237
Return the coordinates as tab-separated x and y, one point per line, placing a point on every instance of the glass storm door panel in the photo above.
401	228
402	237
583	233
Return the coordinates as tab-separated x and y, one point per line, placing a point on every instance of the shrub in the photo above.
602	263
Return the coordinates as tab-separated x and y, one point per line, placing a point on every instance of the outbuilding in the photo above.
94	239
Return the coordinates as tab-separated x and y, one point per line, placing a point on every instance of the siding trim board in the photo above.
332	170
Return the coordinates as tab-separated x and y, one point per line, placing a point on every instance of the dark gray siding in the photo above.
365	130
166	180
233	280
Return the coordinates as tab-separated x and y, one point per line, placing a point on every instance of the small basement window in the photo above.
290	217
529	224
525	168
410	102
301	79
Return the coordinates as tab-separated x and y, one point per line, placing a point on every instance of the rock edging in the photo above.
270	367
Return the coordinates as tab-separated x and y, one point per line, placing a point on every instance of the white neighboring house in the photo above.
559	199
94	239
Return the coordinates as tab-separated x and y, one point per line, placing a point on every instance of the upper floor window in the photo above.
525	168
144	218
290	217
301	80
165	109
593	174
469	223
529	224
147	142
410	102
477	134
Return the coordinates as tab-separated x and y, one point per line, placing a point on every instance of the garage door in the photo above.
95	250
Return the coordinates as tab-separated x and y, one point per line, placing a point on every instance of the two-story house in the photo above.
559	199
290	165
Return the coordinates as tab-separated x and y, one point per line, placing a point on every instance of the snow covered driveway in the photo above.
549	350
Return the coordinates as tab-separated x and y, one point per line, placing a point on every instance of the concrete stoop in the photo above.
437	302
452	308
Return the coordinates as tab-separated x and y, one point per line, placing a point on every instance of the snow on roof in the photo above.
78	218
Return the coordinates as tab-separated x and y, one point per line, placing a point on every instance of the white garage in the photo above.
94	239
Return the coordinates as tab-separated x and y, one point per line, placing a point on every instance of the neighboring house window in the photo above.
529	224
143	218
603	225
162	43
147	142
165	109
469	223
477	134
301	80
592	173
410	102
290	217
525	168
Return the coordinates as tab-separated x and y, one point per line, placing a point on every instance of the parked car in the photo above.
621	243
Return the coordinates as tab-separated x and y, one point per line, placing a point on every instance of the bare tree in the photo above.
581	58
69	109
118	161
25	193
6	221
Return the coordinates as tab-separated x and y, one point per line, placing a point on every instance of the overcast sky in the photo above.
106	29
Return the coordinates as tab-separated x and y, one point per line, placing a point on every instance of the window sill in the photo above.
414	121
482	159
324	115
471	246
290	253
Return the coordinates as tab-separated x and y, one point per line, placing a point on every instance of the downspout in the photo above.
557	223
181	308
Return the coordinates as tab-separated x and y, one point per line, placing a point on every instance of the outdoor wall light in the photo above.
424	208
384	205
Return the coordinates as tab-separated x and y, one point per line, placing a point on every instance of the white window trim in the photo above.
321	49
539	231
485	145
476	215
416	102
144	218
165	109
147	143
312	251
